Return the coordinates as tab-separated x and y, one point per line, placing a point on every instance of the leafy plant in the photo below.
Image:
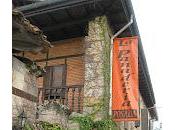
34	69
42	126
105	125
27	126
49	126
86	123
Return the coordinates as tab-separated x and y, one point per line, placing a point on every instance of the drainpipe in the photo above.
112	39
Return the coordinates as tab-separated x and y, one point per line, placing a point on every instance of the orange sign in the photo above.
125	96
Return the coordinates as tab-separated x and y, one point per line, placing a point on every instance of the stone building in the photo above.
26	37
74	70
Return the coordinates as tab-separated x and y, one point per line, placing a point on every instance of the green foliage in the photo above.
27	126
86	123
105	125
34	69
49	126
43	126
106	64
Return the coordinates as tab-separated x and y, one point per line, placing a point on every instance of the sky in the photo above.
156	23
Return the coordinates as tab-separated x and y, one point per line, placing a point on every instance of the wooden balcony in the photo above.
71	96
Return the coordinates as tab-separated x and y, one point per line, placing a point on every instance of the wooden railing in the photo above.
71	96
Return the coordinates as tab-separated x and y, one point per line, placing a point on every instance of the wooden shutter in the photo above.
55	80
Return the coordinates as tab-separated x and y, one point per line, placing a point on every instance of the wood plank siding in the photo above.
71	54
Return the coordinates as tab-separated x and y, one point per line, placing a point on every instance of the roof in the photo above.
27	37
63	19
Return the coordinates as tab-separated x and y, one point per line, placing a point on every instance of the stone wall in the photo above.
97	52
53	112
24	92
97	73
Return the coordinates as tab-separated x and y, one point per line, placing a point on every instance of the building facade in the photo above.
74	70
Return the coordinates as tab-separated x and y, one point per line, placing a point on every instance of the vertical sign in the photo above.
125	95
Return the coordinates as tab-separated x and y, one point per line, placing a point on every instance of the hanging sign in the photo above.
125	96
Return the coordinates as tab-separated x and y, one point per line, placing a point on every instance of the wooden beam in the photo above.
22	94
60	57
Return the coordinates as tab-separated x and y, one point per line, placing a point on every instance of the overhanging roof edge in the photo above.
142	59
54	5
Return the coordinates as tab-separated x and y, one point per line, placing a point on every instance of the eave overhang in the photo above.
27	37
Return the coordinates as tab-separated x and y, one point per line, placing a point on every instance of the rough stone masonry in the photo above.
94	87
24	92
